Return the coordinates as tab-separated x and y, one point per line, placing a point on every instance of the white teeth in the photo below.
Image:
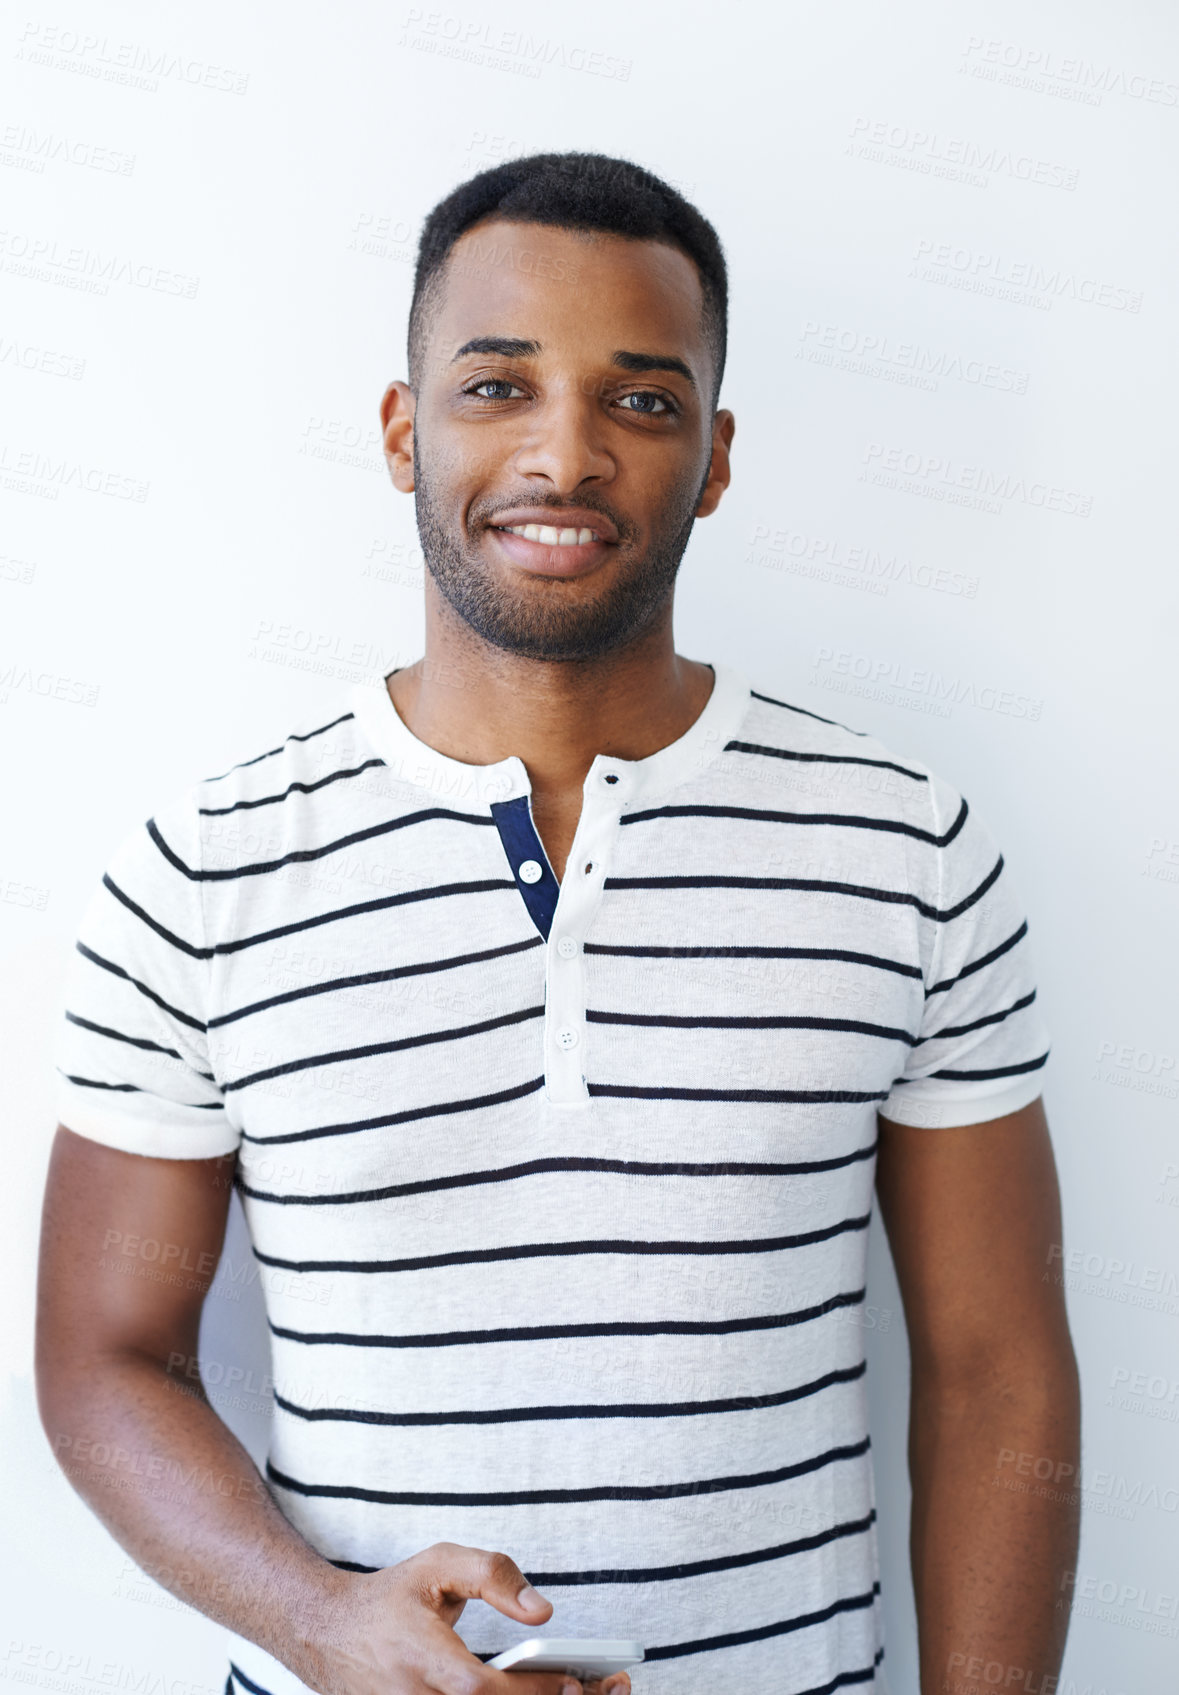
548	536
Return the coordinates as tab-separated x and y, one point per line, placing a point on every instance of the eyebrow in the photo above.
515	347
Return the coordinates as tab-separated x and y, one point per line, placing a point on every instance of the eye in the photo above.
501	383
650	403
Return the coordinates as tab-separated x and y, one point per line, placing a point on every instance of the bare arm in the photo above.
972	1214
139	1441
143	1447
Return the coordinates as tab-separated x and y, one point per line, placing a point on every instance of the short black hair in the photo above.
573	191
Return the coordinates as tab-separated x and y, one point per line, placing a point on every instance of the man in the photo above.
558	1004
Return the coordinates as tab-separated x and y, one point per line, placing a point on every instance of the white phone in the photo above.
580	1656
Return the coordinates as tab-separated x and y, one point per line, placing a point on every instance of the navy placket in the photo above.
534	876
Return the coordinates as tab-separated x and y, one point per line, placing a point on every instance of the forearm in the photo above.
178	1491
994	1536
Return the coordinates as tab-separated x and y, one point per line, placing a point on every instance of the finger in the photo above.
535	1683
452	1677
449	1570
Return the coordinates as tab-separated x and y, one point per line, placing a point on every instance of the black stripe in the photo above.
153	924
440	891
368	977
538	1497
133	1041
301	856
786	1021
590	1245
118	971
899	897
980	1023
703	1568
978	964
734	1638
995	1071
724	952
134	1089
409	1116
800	1097
530	1415
863	1674
975	895
538	1167
426	1039
804	712
851	821
758	748
689	1568
247	1682
382	904
91	1083
291	788
555	1332
270	753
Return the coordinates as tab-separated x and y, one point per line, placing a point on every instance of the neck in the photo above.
479	704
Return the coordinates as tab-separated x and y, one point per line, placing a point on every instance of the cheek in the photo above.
466	468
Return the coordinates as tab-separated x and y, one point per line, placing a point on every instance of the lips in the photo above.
562	541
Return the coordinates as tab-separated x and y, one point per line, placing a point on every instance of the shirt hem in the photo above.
951	1112
156	1140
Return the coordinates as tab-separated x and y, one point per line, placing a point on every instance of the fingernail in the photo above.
530	1597
571	1689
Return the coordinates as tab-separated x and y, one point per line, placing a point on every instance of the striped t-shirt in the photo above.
561	1192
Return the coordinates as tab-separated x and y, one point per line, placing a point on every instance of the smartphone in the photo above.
581	1656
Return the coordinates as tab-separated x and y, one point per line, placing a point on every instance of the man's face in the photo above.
565	383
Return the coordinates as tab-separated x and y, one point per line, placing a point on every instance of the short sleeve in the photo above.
131	1048
983	1042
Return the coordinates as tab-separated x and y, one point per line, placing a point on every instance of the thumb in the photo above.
492	1577
530	1604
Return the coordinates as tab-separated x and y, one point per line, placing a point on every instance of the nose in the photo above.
565	442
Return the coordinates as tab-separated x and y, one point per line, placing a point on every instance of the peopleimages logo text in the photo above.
892	676
1055	283
937	468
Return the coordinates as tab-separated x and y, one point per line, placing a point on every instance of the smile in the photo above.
555	550
548	535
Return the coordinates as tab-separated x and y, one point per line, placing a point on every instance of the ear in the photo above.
719	473
397	410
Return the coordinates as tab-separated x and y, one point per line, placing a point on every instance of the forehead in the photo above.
509	278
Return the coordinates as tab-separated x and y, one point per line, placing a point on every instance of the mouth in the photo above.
555	550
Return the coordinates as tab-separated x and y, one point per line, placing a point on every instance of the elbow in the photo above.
1033	1379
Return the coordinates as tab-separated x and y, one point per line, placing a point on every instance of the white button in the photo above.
530	871
567	1038
566	947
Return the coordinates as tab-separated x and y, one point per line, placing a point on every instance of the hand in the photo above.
391	1632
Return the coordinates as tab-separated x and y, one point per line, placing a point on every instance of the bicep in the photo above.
973	1215
129	1246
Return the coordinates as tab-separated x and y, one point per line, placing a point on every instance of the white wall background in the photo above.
952	239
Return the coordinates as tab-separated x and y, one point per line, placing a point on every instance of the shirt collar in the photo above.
639	781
